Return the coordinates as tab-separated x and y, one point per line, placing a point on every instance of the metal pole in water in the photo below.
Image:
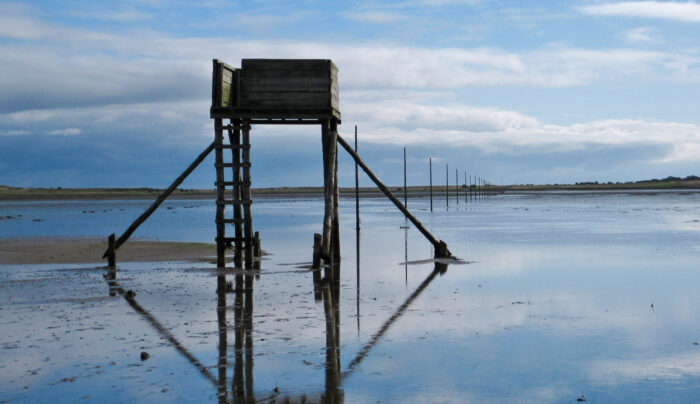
457	185
405	195
466	194
431	183
357	189
447	185
357	236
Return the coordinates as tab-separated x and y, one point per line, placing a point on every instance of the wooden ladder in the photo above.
234	193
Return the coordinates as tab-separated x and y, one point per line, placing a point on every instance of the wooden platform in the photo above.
276	91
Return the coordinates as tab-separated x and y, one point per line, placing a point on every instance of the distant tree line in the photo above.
667	179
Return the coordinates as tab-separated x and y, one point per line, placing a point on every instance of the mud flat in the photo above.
89	250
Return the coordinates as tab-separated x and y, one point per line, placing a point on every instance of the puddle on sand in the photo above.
571	297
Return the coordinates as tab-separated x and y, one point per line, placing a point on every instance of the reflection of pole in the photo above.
357	289
164	332
439	269
405	253
248	331
238	381
221	317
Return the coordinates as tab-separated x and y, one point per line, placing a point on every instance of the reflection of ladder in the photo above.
238	195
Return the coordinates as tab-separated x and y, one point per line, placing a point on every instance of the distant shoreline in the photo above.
24	194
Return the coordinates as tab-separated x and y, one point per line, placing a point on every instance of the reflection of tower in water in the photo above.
330	291
242	381
242	385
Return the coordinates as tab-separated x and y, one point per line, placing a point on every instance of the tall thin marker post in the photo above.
357	189
466	198
431	183
405	194
457	185
447	185
357	235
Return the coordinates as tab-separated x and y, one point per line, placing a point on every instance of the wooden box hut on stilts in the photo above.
271	92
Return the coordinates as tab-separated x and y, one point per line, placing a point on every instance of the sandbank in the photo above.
24	251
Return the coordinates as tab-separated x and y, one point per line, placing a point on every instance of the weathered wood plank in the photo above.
290	114
287	64
295	102
315	80
224	84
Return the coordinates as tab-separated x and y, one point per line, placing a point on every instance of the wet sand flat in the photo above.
560	297
25	251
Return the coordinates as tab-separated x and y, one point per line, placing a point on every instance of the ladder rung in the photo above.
233	202
240	220
233	146
232	183
229	240
244	165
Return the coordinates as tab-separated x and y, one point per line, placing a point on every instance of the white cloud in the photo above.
689	12
126	14
15	132
378	17
510	132
86	78
641	34
65	132
19	27
74	67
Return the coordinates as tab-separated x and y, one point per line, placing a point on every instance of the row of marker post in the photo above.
473	189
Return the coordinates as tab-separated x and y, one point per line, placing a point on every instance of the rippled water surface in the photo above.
561	296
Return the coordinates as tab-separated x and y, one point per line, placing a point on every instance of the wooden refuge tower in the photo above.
270	92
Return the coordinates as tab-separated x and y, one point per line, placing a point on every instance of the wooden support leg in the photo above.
220	195
235	142
336	196
329	155
111	257
245	195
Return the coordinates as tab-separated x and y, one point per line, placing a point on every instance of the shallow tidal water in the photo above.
560	297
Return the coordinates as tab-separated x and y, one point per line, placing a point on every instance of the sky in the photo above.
117	94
